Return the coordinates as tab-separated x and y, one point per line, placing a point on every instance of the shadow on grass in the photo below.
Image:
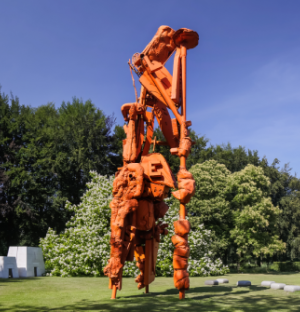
174	291
205	289
204	299
9	280
21	279
250	304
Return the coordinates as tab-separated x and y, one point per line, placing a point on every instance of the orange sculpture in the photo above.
145	179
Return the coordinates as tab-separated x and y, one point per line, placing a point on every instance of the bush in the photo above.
287	266
275	267
83	248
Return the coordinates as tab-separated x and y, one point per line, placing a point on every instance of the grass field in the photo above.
92	294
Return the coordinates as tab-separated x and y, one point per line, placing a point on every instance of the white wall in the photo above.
7	263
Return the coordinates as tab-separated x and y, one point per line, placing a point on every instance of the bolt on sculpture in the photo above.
145	179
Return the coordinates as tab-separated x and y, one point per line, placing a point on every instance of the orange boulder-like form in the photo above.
179	241
179	262
181	279
161	46
186	185
182	227
186	37
183	251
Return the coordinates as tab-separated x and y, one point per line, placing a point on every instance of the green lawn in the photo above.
92	294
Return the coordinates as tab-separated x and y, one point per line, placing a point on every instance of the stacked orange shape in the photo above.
145	179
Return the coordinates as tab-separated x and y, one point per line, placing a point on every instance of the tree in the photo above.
13	208
280	179
284	191
46	155
237	208
235	159
255	231
28	196
81	144
209	206
289	220
116	156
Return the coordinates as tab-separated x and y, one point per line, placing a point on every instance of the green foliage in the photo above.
81	144
289	219
28	184
255	229
237	208
283	190
45	158
83	248
11	127
235	159
267	267
116	144
287	266
209	206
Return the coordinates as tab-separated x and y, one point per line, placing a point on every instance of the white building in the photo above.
28	261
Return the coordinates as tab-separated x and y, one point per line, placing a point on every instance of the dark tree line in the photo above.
46	154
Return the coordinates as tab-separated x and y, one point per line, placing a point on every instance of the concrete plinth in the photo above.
222	280
211	282
243	283
267	283
291	288
277	285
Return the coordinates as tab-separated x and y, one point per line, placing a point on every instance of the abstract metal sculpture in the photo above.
145	179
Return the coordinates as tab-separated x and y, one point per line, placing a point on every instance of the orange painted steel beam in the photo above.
176	78
164	94
114	292
181	294
182	208
183	66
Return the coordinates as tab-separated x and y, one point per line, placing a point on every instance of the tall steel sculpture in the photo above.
145	179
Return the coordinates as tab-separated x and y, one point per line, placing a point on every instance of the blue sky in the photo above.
243	78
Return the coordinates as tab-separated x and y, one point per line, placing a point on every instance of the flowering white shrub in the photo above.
83	248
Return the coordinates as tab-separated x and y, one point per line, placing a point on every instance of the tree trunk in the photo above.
238	263
258	262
